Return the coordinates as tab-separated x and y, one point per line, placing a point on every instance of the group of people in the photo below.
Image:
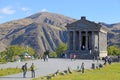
44	57
73	57
82	68
32	67
107	59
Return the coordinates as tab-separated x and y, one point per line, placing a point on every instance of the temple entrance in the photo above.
83	43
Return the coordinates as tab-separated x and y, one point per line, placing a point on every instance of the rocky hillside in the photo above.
113	34
41	31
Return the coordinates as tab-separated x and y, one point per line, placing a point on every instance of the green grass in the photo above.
9	71
109	72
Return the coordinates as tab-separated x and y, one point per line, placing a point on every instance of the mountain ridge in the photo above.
41	32
44	31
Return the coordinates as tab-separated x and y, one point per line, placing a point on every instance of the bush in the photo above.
53	55
2	61
62	47
11	52
113	50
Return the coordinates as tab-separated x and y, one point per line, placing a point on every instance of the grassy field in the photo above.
9	71
109	72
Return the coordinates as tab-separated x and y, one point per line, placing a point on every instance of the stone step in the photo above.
84	56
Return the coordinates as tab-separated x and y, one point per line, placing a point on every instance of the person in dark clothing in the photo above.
24	68
118	58
82	67
33	70
71	56
109	60
105	60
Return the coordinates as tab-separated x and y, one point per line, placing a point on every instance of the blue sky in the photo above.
107	11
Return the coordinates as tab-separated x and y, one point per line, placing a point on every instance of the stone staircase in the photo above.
84	55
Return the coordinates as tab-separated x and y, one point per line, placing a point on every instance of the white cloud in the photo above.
7	10
44	10
25	9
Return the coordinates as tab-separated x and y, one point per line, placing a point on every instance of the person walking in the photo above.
71	56
46	57
82	67
74	56
24	68
32	70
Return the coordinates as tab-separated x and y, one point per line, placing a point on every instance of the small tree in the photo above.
3	57
53	54
62	47
113	50
13	51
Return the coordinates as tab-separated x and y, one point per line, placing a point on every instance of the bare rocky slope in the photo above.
41	31
113	34
44	31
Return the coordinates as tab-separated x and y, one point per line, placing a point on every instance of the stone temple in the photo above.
87	39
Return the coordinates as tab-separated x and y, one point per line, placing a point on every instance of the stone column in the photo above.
98	40
80	40
98	43
86	42
74	43
93	40
68	40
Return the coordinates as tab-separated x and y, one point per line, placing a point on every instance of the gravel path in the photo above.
45	68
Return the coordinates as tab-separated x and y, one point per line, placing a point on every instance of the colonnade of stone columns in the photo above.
76	40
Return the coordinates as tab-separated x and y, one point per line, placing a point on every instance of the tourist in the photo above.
118	58
32	70
74	56
65	56
71	56
105	59
46	57
40	57
82	67
109	60
24	68
93	58
83	47
90	51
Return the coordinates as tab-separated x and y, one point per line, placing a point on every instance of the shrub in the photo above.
53	55
113	50
62	47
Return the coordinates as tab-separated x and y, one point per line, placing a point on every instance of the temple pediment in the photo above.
84	24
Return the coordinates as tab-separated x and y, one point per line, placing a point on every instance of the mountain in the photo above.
41	31
113	34
44	31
